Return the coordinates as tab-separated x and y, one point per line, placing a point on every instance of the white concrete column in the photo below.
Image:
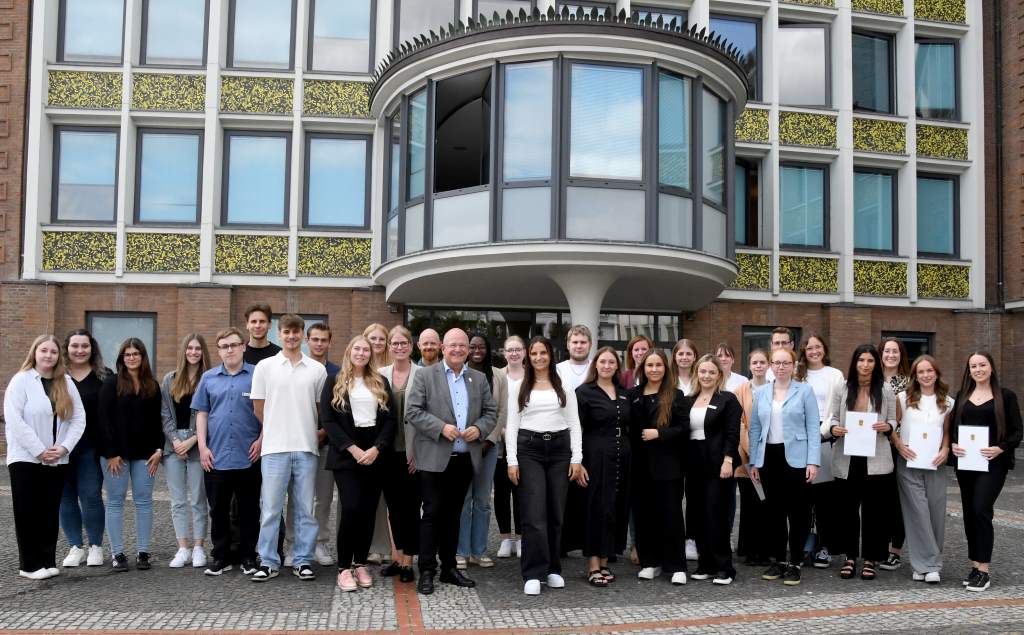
584	291
841	212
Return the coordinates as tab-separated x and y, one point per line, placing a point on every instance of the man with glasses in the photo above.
782	338
228	435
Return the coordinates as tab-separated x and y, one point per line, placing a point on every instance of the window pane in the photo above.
462	219
713	231
666	16
262	34
527	121
419	17
872	59
803	55
673	130
462	131
93	30
414	228
257	180
396	163
803	206
336	189
111	331
936	216
714	147
341	35
88	176
175	32
935	77
604	214
744	35
607	122
415	165
675	220
872	211
526	213
741	194
488	7
392	239
169	178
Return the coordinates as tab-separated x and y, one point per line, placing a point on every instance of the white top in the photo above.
29	419
697	423
927	410
543	414
684	386
734	381
572	374
363	405
775	424
823	381
291	394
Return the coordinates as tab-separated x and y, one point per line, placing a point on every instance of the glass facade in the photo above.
802	206
342	35
261	34
419	17
802	50
86	175
336	181
935	79
606	140
872	73
169	177
257	178
93	31
873	213
175	32
745	35
937	215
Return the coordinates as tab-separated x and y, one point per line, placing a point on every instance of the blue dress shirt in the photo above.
460	403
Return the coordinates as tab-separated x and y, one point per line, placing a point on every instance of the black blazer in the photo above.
1011	438
721	432
343	433
664	455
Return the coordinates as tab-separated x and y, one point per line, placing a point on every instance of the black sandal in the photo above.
867	572
607	573
849	568
596	579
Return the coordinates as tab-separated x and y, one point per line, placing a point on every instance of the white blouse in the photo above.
363	404
697	423
543	414
734	381
775	434
927	410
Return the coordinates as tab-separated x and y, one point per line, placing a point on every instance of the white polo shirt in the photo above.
291	394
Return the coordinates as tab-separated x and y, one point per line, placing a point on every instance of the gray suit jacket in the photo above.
428	407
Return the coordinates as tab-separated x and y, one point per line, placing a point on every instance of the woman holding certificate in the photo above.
985	430
862	416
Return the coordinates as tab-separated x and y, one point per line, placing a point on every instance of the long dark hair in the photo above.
967	386
592	372
853	383
801	365
903	368
666	391
486	367
147	385
530	375
914	388
95	357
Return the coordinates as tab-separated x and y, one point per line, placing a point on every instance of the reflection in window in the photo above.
936	215
175	32
462	131
257	178
606	122
714	147
341	35
169	173
872	210
595	213
673	130
803	53
935	76
395	161
744	34
419	17
802	199
666	16
93	31
593	9
86	175
336	181
872	72
262	34
747	186
112	329
501	7
416	153
527	121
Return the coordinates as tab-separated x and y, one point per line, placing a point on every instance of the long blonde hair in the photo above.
346	379
60	398
183	384
383	359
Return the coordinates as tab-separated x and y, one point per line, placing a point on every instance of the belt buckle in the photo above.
546	436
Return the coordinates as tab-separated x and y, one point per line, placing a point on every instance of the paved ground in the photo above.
96	599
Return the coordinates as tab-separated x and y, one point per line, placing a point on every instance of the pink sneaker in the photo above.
345	581
363	578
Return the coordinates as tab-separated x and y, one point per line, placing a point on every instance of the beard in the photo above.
428	357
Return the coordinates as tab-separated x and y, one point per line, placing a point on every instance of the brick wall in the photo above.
14	15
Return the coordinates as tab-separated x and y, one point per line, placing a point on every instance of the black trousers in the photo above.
978	494
897	532
36	490
753	512
239	489
864	506
659	529
826	505
358	494
443	495
403	500
506	507
787	502
543	488
711	499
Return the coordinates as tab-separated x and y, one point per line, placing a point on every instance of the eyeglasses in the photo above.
514	350
229	347
782	364
131	355
397	344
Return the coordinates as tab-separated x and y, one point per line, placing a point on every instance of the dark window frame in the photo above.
826	206
492	69
955	179
752	220
894	194
397	16
55	174
758	93
826	29
62	27
310	37
637	8
386	215
230	60
957	92
368	140
656	188
588	4
226	177
154	315
139	147
476	9
890	39
756	331
143	45
924	337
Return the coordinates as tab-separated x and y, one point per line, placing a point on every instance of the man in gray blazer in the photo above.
451	409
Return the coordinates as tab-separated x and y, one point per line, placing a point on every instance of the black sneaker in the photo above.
217	567
120	563
304	572
391	570
263	574
792	576
979	582
774	572
970	576
249	567
891	563
700	574
822	559
142	561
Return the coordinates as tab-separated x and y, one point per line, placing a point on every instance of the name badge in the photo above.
710	407
245	394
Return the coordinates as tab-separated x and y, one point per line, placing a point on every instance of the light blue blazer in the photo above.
800	422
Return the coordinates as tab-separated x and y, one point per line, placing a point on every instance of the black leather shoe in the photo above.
454	576
391	570
426	583
405	574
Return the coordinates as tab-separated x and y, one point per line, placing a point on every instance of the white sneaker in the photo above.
932	577
288	557
918	577
691	550
679	577
42	574
555	581
323	555
375	558
460	563
519	547
181	557
532	587
649	573
483	562
506	547
74	557
95	558
198	557
52	571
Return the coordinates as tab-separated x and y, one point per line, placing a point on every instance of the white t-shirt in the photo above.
291	394
697	423
821	381
734	381
363	405
926	412
572	374
543	414
775	424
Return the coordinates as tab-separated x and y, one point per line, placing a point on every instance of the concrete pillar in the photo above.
584	291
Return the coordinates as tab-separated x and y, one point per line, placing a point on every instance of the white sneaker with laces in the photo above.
42	574
198	557
182	556
95	558
74	557
917	577
691	550
505	549
649	573
532	587
679	577
323	555
555	581
52	571
932	577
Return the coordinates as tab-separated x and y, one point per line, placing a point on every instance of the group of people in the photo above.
590	453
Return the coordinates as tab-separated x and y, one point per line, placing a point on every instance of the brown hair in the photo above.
223	334
801	366
914	388
262	308
675	349
592	372
125	386
382	359
95	357
579	329
666	391
967	386
183	384
60	397
782	330
345	379
530	376
290	321
904	366
707	359
633	341
319	326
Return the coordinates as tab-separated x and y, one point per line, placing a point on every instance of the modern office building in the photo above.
699	168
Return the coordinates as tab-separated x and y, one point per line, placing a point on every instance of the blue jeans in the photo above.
185	482
142	495
83	485
476	511
278	470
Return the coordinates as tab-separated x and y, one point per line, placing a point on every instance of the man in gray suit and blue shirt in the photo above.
450	407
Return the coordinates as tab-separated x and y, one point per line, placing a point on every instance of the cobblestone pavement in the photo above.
95	599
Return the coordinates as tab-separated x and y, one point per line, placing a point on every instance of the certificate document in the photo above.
925	440
860	436
972	439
